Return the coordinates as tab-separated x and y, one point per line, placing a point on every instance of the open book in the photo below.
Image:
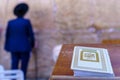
91	62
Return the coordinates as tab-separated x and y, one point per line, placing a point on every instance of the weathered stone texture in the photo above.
61	22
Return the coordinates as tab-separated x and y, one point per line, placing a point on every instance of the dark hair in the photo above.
21	9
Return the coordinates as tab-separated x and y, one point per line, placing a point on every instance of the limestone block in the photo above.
89	38
110	33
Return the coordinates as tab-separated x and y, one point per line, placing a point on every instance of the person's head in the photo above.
21	9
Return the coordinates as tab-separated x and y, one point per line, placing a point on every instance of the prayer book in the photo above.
91	62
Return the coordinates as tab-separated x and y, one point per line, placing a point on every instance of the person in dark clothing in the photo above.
19	38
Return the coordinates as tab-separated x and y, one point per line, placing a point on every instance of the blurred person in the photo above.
19	38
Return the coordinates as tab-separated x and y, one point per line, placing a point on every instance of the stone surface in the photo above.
56	22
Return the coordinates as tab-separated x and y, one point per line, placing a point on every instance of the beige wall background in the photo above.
40	12
61	22
83	13
66	13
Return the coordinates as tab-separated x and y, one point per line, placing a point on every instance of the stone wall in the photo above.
84	13
56	22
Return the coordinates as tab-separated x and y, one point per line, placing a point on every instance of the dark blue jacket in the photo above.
19	36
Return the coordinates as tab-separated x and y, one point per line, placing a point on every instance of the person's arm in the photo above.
31	34
7	31
7	36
